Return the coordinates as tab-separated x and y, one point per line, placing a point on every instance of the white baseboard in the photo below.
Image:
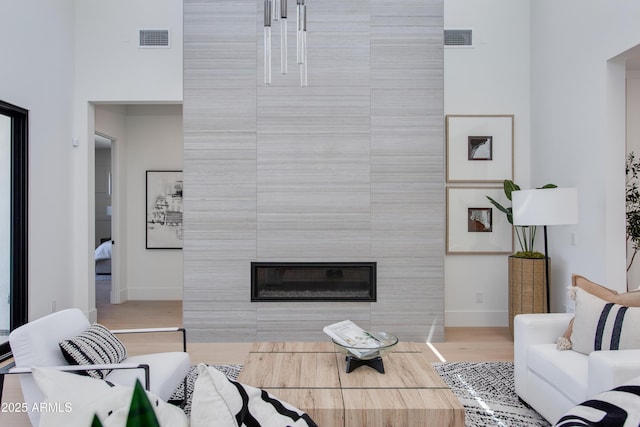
476	318
153	294
121	297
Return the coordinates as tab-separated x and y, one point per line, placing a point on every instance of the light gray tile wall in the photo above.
349	168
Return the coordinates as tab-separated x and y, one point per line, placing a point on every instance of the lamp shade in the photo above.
547	206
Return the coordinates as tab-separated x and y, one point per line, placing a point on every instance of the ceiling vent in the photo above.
458	37
154	38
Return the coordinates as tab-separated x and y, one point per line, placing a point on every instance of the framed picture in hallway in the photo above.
479	148
474	225
164	209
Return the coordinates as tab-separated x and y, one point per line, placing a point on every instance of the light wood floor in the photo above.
462	344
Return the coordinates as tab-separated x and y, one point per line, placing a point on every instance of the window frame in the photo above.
19	219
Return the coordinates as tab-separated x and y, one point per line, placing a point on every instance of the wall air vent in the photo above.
154	38
458	37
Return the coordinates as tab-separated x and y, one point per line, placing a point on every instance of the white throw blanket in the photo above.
103	251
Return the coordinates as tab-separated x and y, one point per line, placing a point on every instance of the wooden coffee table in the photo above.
312	377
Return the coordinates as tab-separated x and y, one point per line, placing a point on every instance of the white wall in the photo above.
110	68
109	64
572	135
578	130
36	41
492	77
154	142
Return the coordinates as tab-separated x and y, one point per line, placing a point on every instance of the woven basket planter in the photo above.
527	287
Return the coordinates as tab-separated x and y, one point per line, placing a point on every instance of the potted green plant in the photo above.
527	267
526	234
633	206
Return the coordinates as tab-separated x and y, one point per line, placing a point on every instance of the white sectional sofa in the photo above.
553	381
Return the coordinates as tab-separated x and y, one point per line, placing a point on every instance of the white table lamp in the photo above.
545	206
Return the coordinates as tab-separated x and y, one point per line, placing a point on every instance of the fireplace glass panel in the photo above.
276	281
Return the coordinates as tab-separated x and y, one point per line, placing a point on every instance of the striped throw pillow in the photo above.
603	325
221	402
97	345
619	407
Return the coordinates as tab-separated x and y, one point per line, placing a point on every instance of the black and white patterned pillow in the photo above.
178	396
96	345
619	407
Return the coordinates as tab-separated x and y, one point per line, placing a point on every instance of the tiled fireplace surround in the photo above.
349	168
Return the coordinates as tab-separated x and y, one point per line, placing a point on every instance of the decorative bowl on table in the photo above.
370	355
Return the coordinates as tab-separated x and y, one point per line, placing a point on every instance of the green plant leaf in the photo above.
141	412
497	205
96	421
526	234
632	194
506	211
509	187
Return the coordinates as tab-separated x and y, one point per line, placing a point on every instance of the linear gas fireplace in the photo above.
313	281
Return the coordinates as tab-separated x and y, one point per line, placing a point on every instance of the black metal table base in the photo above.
375	363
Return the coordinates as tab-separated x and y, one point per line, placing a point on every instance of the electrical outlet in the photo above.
479	297
53	306
574	238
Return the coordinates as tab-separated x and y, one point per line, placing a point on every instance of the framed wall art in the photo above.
164	209
474	225
479	148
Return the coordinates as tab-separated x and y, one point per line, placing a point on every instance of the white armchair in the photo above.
36	344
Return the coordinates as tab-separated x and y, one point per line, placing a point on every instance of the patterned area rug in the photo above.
231	371
484	388
487	392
